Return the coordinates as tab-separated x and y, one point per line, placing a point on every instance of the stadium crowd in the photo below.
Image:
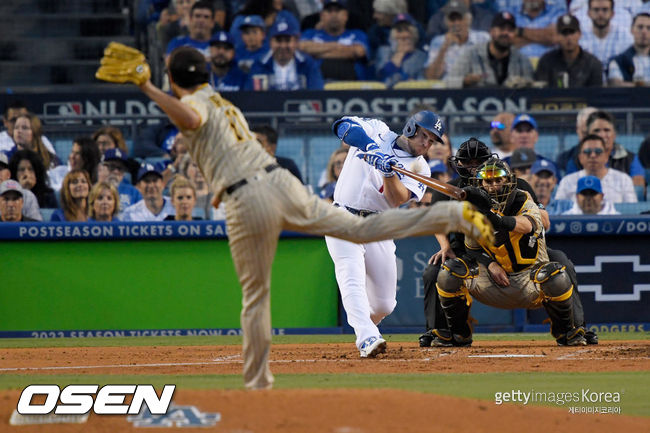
309	44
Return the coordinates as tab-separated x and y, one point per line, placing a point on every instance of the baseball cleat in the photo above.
372	346
426	338
575	337
591	337
474	224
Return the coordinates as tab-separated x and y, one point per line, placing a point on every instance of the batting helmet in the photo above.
427	120
492	169
471	150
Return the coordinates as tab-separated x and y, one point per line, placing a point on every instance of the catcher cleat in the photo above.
372	347
475	225
426	338
575	337
444	338
591	337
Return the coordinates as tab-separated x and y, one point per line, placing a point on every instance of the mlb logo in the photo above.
176	416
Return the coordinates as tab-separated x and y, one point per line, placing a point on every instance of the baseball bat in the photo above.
450	190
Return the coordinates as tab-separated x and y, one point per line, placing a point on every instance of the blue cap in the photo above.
283	27
544	165
252	21
589	182
114	154
403	18
340	3
147	168
221	37
524	118
437	166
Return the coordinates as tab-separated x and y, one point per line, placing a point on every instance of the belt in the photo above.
235	186
361	212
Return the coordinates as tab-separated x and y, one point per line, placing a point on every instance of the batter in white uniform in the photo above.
367	273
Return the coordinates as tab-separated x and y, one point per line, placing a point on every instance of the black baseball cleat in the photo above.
575	337
444	338
426	338
591	337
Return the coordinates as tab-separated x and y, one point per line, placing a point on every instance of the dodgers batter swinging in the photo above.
262	199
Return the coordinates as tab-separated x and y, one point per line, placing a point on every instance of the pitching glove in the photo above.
122	64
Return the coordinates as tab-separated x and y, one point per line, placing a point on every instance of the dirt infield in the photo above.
342	410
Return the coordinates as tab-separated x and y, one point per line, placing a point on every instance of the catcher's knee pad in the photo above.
553	280
452	276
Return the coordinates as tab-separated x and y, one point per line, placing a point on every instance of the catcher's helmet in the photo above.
491	170
427	120
470	150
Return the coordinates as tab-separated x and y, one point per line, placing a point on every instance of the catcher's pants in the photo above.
521	293
271	202
367	279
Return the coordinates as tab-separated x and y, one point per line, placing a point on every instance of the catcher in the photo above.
514	272
261	198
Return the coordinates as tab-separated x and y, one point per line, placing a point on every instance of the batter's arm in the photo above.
180	114
395	191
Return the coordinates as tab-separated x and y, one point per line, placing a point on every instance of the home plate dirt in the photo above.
340	410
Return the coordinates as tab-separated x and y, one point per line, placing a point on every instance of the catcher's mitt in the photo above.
122	64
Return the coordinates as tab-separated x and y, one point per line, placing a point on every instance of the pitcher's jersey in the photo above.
223	146
360	185
516	252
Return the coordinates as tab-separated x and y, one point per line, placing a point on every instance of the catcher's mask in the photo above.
494	170
471	154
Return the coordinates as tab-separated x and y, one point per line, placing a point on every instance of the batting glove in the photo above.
380	161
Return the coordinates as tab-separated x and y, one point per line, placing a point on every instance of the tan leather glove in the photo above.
122	64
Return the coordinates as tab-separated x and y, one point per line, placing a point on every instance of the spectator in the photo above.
268	138
109	137
103	203
590	199
494	63
183	198
153	206
283	67
521	161
342	54
603	124
11	202
30	204
536	33
446	48
225	75
12	111
74	197
606	38
500	136
114	167
402	60
83	155
427	198
438	154
524	134
190	170
200	29
439	170
544	178
581	131
569	65
623	11
384	14
27	168
174	21
617	186
254	43
269	10
482	15
644	153
631	68
28	135
334	167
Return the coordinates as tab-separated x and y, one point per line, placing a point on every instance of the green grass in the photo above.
278	339
632	386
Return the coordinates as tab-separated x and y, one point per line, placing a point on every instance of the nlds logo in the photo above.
80	399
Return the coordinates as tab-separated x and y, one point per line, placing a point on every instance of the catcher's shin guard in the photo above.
454	297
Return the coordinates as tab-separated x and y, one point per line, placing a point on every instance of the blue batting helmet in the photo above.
427	120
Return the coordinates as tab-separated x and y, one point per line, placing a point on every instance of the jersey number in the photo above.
236	122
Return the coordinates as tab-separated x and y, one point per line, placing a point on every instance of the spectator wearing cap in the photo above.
445	49
439	170
493	63
269	10
284	67
500	128
569	65
521	161
401	60
11	203
524	134
200	30
252	31
616	185
110	137
544	179
536	32
590	199
30	203
631	68
341	54
83	155
386	14
602	35
482	15
153	206
114	170
225	75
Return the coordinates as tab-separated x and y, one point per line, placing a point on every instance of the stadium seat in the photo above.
355	85
47	214
632	208
420	84
631	142
294	148
640	192
63	149
319	149
548	145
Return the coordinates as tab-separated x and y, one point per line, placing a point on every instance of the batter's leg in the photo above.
381	279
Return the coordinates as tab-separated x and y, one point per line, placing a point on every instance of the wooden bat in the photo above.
450	190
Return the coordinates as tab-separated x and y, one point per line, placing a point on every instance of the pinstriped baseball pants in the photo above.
257	213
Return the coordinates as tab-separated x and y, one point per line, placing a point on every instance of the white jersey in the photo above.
360	185
140	212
